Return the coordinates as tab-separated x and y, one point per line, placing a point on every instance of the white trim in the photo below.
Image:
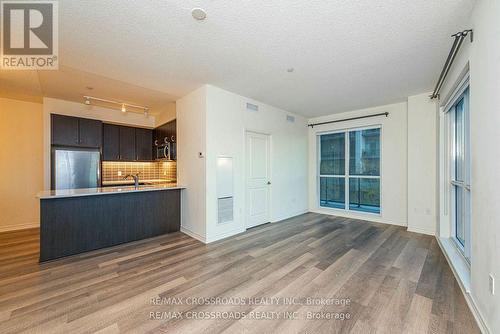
269	136
357	215
450	158
19	227
347	177
226	234
421	231
192	234
347	129
461	271
461	87
288	216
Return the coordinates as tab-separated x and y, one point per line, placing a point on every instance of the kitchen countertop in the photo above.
62	193
131	182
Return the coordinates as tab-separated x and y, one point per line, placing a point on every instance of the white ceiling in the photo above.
347	54
71	85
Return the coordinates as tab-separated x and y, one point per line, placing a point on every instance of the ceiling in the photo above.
346	54
71	85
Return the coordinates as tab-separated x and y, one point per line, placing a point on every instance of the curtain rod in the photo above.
386	114
457	43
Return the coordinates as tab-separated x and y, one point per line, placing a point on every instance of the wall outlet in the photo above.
492	284
119	173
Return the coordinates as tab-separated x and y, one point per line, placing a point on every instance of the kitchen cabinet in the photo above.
74	131
166	131
110	142
90	132
76	224
144	144
64	130
124	143
127	144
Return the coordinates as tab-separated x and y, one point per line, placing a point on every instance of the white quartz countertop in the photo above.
131	182
49	194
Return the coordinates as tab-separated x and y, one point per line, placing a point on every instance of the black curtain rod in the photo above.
457	43
386	114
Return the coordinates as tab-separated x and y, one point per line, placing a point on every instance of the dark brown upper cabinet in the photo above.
124	143
127	144
90	132
166	132
144	144
74	131
110	142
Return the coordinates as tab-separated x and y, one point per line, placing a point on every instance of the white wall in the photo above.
227	120
214	121
21	167
393	165
191	170
483	59
166	115
422	166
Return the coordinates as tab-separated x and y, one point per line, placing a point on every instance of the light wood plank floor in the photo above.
359	277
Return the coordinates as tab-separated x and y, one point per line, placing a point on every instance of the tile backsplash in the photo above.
161	170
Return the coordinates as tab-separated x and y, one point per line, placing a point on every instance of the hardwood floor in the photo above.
359	277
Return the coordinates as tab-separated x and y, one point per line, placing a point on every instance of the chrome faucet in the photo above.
135	177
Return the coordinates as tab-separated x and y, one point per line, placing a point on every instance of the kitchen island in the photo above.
73	221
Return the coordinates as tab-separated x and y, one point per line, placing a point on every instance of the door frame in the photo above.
245	175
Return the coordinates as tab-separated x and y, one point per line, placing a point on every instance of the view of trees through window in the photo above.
350	173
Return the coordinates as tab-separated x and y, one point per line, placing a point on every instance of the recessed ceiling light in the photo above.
290	69
199	14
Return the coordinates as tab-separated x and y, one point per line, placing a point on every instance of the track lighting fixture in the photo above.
124	107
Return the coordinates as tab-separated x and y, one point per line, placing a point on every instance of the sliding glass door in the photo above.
349	170
458	116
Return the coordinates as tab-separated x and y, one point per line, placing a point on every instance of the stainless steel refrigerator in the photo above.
74	168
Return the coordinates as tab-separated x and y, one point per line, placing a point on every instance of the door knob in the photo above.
268	182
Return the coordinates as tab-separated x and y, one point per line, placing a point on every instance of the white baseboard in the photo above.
193	234
298	213
360	216
227	234
18	227
217	237
421	231
465	286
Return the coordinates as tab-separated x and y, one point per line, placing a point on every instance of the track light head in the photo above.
123	108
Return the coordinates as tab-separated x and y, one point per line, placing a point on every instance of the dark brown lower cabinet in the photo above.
74	225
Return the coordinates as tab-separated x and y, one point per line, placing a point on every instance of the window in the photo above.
349	170
459	162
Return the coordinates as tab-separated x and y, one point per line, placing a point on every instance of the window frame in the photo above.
347	175
451	180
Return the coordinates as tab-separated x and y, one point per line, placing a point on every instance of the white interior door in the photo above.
258	179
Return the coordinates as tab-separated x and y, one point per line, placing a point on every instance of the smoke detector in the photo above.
199	14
